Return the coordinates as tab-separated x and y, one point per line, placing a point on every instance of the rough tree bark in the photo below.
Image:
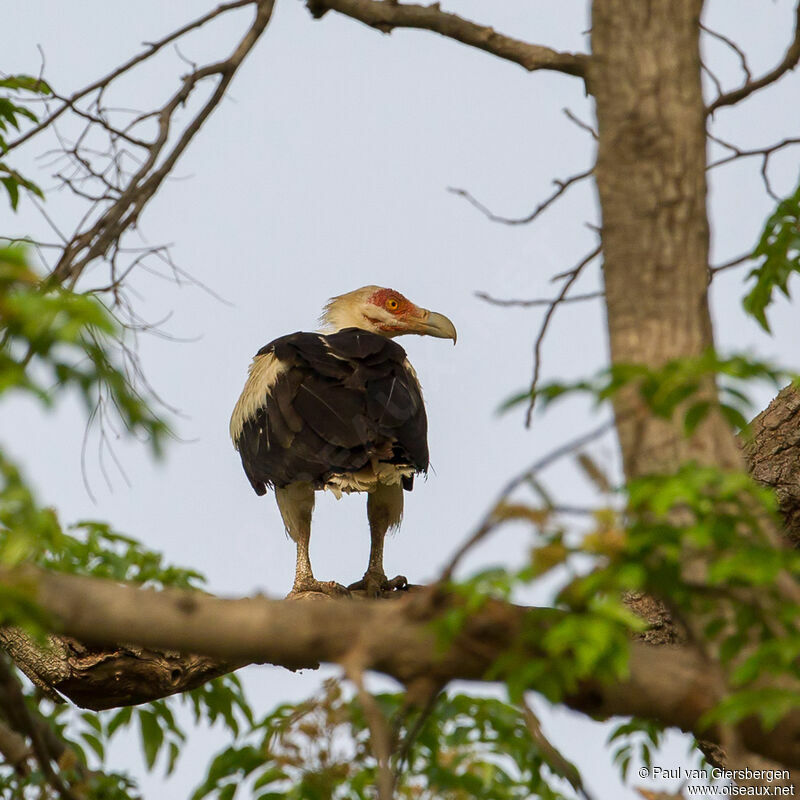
772	452
669	683
651	180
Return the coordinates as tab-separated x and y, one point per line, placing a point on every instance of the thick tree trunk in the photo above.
772	453
645	76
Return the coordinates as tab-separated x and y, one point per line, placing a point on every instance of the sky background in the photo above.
324	170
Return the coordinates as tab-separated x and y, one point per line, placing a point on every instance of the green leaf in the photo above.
26	83
695	415
152	736
12	187
779	249
95	744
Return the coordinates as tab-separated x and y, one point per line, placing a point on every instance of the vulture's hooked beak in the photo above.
429	323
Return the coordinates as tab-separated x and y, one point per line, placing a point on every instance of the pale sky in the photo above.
326	169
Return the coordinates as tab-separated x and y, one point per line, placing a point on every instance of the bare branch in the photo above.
386	16
152	49
568	113
542	301
738	152
14	749
123	213
765	153
490	520
561	187
788	63
734	262
711	74
537	347
733	46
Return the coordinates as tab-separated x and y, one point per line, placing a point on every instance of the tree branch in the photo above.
386	16
561	187
670	683
788	63
772	453
107	677
123	213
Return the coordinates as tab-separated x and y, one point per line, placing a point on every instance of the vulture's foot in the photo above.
374	584
312	587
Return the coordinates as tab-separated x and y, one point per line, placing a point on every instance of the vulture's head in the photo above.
385	312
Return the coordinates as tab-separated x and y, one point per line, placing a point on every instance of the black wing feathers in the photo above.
344	399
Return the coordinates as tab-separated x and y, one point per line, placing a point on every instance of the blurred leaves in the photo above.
12	116
466	747
779	249
52	339
681	385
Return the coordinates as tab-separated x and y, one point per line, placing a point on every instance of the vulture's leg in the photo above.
384	511
296	504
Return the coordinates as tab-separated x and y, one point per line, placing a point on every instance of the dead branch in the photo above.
733	46
386	16
123	213
585	126
541	301
788	63
152	49
765	153
491	520
537	347
561	187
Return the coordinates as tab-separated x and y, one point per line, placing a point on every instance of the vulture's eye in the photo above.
392	304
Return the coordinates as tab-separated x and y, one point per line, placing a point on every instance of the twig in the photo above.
545	301
733	46
380	735
789	62
738	152
765	154
411	736
13	702
122	214
735	262
537	347
580	123
561	187
714	79
490	520
555	760
152	49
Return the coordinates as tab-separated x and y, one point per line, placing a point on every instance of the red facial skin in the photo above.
385	298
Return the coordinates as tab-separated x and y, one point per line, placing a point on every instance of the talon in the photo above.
375	584
399	583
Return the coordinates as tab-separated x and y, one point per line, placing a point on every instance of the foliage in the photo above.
466	747
11	113
52	340
779	247
678	385
699	539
